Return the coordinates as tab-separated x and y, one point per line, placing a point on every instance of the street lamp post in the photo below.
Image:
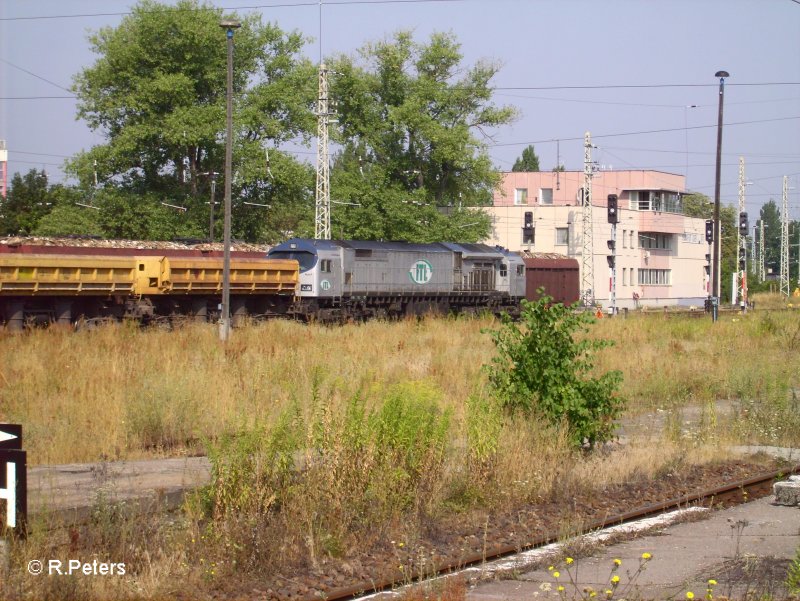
225	318
717	226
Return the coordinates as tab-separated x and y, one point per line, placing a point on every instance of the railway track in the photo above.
721	496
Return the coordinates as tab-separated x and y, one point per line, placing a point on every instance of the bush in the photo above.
543	367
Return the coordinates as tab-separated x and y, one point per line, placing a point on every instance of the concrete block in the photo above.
787	492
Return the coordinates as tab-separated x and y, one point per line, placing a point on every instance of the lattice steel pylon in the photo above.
587	266
741	241
785	239
322	198
762	272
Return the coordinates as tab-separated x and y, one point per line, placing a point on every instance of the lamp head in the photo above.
230	24
722	74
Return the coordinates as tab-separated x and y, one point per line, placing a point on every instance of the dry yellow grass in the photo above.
119	392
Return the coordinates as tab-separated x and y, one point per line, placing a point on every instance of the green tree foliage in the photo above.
410	116
67	218
544	366
529	161
27	201
157	92
771	216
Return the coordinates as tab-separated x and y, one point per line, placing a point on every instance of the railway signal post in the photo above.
13	480
613	219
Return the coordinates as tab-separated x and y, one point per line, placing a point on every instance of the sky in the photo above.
638	74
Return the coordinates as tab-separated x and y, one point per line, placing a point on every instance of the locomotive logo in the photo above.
421	272
325	284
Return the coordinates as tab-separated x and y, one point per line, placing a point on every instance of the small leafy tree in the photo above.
543	367
529	161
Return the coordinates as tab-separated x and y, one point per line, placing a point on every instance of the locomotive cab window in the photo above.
520	270
503	270
325	265
307	260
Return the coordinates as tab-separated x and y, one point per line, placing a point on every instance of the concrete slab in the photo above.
746	548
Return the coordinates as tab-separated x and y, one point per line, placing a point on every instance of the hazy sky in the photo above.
565	66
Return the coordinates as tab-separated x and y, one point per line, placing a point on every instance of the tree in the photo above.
67	218
529	161
771	216
409	119
26	203
544	366
158	93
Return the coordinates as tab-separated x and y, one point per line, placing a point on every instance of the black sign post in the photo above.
13	479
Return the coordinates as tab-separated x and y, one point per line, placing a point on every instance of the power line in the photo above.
52	83
649	131
227	8
37	97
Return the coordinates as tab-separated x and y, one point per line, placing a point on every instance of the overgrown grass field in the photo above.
393	425
119	392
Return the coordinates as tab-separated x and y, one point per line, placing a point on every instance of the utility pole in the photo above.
322	216
785	239
225	317
716	271
587	268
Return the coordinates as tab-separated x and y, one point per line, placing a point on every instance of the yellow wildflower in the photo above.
615	579
550	569
617	562
690	595
712	582
592	594
569	560
560	589
556	574
646	556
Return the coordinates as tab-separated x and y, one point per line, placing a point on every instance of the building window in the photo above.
655	277
655	241
545	196
624	239
520	270
521	196
562	235
624	276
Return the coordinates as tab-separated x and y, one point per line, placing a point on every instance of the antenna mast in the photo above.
587	268
322	218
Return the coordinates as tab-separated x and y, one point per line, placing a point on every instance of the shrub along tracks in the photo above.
469	538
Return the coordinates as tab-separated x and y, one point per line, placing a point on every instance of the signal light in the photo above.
708	258
612	244
707	269
613	216
610	260
528	219
742	264
709	231
743	224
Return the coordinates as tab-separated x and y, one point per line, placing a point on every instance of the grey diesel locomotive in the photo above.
354	279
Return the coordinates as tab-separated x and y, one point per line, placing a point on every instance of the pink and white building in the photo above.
661	254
